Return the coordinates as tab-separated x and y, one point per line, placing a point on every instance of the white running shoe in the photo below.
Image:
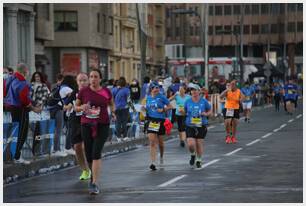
126	139
60	154
70	151
21	161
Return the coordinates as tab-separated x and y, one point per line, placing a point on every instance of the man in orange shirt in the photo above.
233	97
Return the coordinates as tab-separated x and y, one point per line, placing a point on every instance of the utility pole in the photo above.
143	45
241	46
284	51
205	42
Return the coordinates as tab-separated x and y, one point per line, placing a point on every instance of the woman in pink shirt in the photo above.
93	102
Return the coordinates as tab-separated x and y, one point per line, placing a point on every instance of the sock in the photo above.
198	159
193	153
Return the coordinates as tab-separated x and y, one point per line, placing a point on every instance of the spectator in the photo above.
45	76
10	70
39	90
135	91
56	113
17	100
121	97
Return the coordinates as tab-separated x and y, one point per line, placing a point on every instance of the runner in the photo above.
156	107
249	93
277	89
231	113
180	99
93	102
74	128
197	109
290	91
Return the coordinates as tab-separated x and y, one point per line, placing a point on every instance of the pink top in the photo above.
100	99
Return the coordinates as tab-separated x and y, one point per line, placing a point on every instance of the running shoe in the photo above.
93	189
152	167
86	174
234	140
245	119
248	120
182	143
228	140
198	164
192	159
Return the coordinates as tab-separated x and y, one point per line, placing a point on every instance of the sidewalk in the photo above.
48	164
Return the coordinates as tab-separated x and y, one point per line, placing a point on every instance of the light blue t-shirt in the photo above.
248	93
180	102
154	103
193	112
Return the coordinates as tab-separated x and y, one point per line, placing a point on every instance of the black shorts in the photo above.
181	123
196	132
236	114
155	121
74	129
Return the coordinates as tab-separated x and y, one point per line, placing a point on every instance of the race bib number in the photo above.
247	98
229	112
154	126
197	121
290	91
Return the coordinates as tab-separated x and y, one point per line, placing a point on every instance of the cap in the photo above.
194	86
154	84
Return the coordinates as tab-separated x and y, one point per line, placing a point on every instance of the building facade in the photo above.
83	38
264	27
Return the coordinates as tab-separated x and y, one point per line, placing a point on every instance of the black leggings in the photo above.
94	146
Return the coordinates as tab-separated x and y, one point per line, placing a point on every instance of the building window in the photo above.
265	28
218	30
255	29
66	21
227	10
168	32
218	10
197	30
281	28
246	29
177	31
282	8
255	9
300	27
247	9
237	9
291	27
210	30
236	29
211	10
273	28
291	7
264	8
191	31
23	38
275	8
104	24
228	28
98	22
300	7
111	23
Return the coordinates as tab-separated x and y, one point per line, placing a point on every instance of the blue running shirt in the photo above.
290	91
193	111
154	103
248	93
180	102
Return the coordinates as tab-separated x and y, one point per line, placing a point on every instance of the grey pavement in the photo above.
264	166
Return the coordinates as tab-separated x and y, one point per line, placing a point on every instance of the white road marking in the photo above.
211	127
298	116
283	125
291	120
209	163
233	152
276	130
267	135
253	142
172	181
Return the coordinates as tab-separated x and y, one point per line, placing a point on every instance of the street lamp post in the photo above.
204	29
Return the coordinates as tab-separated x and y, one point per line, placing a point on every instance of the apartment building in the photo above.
83	38
265	26
125	56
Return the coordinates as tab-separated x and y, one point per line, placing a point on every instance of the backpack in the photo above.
54	98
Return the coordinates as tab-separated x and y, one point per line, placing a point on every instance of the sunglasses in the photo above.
155	87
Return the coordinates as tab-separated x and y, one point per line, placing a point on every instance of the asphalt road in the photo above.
266	165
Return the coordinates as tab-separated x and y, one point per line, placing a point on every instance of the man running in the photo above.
233	96
197	109
248	92
277	89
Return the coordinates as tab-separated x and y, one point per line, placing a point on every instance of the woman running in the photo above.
156	107
180	98
93	102
197	110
